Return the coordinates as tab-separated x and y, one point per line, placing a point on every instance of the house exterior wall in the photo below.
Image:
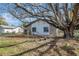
39	28
59	33
1	30
7	30
27	30
18	30
11	30
52	31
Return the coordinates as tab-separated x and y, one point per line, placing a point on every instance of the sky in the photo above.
8	17
4	7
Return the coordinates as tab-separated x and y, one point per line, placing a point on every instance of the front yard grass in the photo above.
35	47
12	46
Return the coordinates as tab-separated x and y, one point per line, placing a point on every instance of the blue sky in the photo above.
4	7
9	18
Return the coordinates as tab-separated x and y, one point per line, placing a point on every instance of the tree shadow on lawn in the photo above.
28	41
51	44
15	44
41	53
69	50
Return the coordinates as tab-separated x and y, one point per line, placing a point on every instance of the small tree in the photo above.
2	21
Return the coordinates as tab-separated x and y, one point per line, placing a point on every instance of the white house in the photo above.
10	29
18	30
40	27
6	29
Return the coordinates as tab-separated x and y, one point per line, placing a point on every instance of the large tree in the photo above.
62	16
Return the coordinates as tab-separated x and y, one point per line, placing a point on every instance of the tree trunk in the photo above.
68	33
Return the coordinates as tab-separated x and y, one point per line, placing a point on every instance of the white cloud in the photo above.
10	19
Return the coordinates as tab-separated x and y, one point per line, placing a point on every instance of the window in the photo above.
45	29
34	29
25	31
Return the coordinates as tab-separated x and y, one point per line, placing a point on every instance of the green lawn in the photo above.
35	46
12	46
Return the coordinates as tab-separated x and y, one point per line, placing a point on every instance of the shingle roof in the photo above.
35	21
7	27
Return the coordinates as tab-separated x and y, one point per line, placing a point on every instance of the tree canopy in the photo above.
2	21
63	16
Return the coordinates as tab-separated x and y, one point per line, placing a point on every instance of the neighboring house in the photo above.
18	30
10	29
6	29
40	27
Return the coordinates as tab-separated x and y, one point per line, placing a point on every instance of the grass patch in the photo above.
7	42
17	48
